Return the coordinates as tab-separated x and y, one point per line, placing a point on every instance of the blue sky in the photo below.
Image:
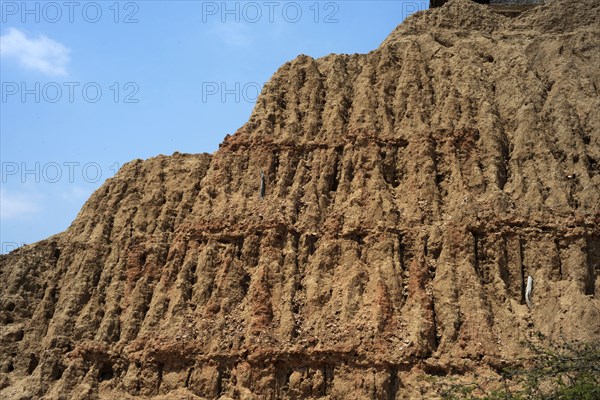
88	86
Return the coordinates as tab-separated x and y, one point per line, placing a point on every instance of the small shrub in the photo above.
555	371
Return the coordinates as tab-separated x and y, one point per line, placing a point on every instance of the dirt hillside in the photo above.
408	193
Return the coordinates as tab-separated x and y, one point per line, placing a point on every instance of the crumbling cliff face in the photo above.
409	193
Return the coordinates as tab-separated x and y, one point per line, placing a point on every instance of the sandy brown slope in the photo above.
409	192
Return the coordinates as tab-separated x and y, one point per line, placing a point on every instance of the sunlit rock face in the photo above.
408	195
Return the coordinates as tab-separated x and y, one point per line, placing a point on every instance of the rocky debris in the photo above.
408	194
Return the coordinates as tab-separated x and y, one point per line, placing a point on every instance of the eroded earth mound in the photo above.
408	195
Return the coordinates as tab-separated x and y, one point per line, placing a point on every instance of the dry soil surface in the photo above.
408	195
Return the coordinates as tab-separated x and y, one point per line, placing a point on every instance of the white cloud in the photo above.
17	205
41	54
237	35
